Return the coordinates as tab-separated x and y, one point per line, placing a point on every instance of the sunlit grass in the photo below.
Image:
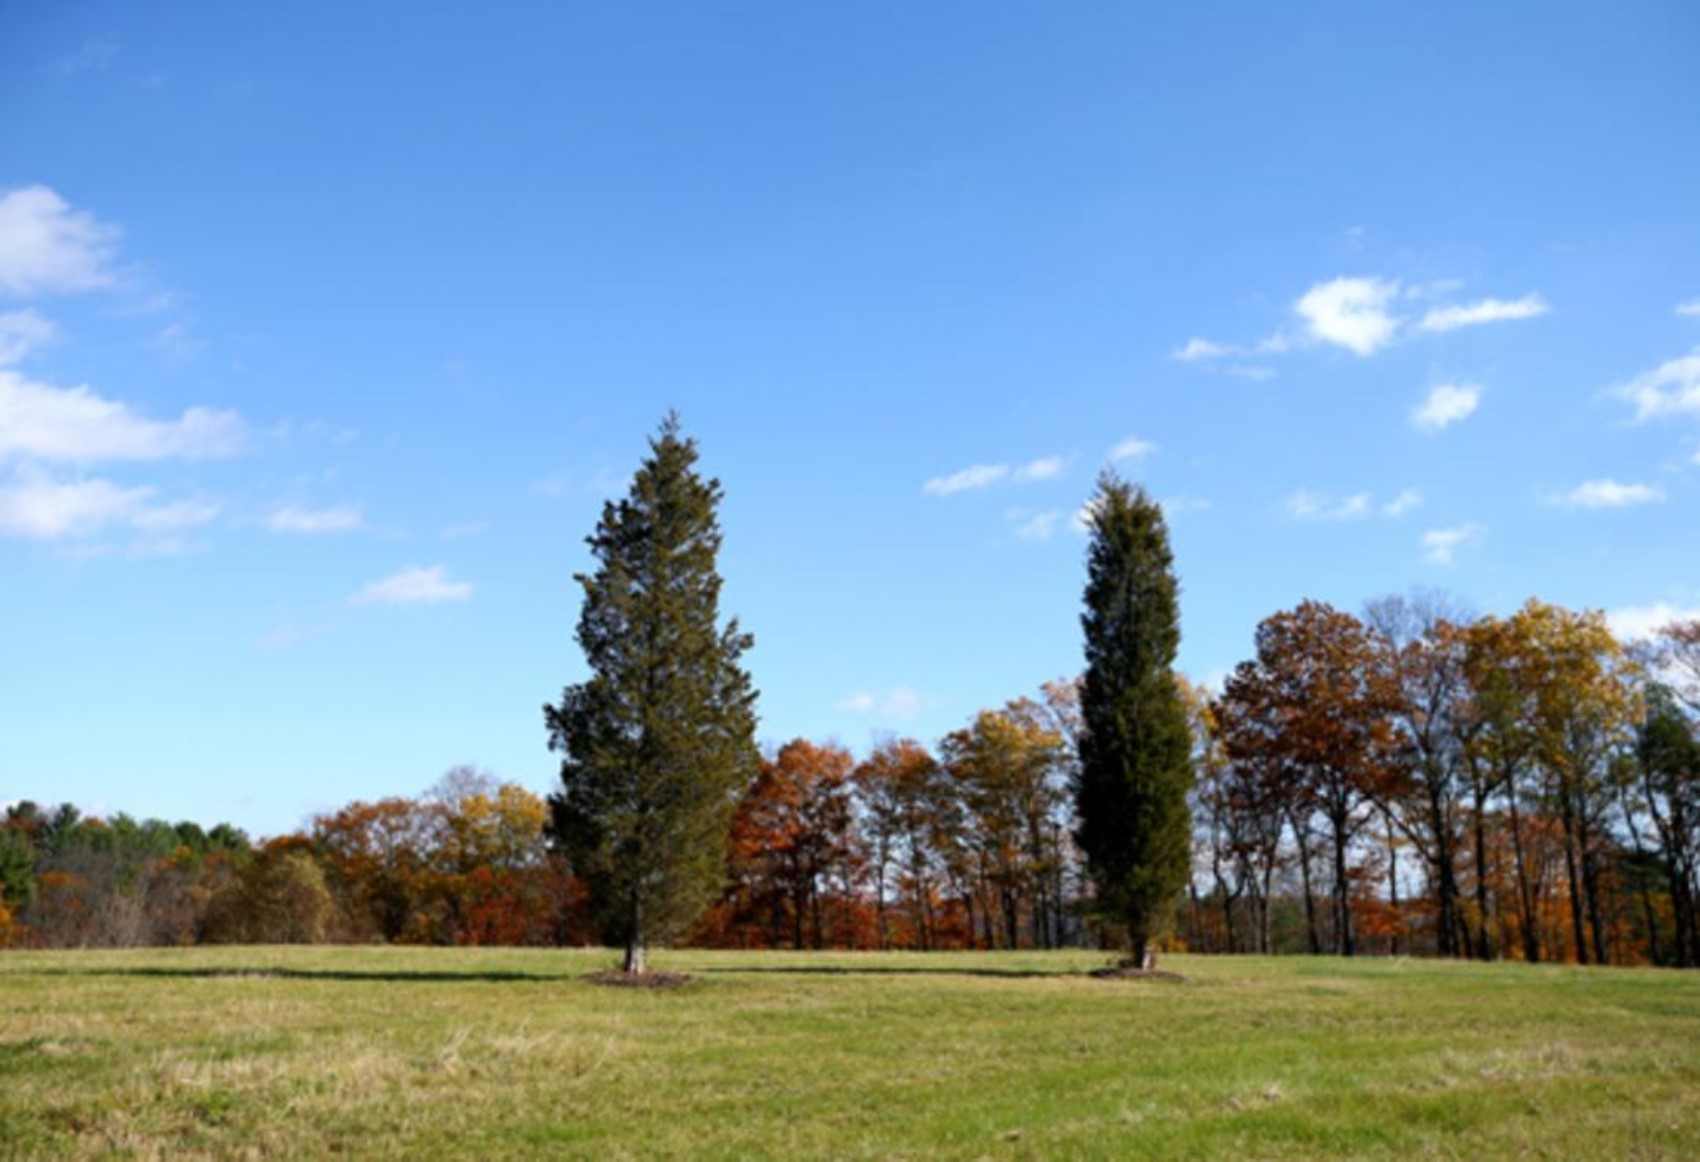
436	1052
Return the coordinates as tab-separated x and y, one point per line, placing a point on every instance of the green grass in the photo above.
414	1053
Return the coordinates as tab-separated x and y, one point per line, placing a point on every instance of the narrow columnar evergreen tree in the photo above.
658	744
1135	766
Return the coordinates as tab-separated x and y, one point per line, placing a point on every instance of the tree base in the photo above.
640	980
1127	971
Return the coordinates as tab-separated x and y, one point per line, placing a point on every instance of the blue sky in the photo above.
326	328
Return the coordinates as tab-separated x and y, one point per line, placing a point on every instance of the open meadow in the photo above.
438	1052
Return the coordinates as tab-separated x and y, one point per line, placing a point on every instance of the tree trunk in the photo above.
1484	939
1525	896
1314	939
1574	879
634	942
1342	895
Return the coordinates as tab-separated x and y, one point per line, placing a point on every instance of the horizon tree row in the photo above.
1413	781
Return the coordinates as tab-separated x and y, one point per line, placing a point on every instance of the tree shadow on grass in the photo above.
380	976
895	970
499	976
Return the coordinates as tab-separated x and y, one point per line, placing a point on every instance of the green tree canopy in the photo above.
659	743
1135	747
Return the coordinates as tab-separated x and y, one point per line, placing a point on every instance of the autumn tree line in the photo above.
1417	780
1414	780
1407	781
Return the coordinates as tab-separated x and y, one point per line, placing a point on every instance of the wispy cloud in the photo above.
21	332
39	507
1691	309
1131	448
972	477
47	247
1359	314
1440	546
1450	318
1351	313
1034	526
1405	502
92	56
1307	505
978	476
78	426
1608	493
1196	349
1672	388
1042	469
416	586
293	518
1446	405
899	702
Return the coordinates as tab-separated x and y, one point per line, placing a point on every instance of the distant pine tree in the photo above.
1135	772
659	743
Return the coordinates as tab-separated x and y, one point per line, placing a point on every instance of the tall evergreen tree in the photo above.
1135	766
658	744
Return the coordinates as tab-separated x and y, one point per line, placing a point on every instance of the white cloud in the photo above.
1042	469
1034	526
295	519
1441	545
1608	493
74	424
1307	505
416	586
471	528
1689	308
1446	405
976	476
1450	318
1672	388
1131	449
985	475
41	508
1247	371
20	333
45	246
1637	622
900	702
1407	500
1197	349
1351	313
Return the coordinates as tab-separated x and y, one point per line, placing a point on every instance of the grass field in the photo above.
488	1053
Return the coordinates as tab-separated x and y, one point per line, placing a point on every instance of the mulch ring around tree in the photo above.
1134	972
640	980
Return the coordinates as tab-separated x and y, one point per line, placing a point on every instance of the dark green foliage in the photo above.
1135	762
659	743
17	866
